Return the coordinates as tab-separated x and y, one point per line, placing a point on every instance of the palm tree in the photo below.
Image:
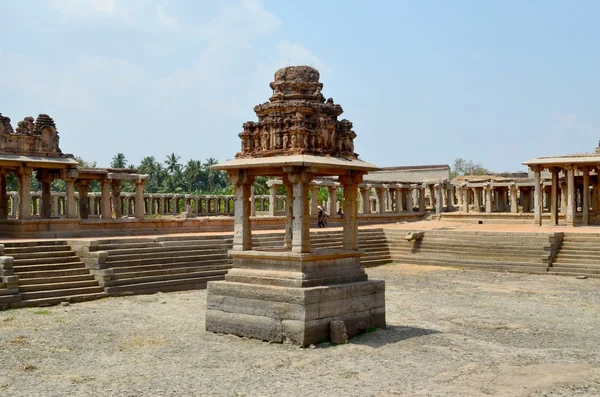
194	175
118	161
172	163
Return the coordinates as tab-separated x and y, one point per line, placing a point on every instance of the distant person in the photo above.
321	217
340	213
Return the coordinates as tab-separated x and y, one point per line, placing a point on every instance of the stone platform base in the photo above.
279	296
297	315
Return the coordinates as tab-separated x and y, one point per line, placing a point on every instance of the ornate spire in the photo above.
297	120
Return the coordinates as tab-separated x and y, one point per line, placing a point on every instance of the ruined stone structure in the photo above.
297	120
290	292
33	149
574	188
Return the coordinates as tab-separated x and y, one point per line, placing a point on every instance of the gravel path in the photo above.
451	333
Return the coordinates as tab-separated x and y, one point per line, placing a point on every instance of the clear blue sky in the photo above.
424	82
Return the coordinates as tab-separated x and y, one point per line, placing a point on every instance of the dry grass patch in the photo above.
139	342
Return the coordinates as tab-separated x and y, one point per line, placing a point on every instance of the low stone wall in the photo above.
512	218
72	228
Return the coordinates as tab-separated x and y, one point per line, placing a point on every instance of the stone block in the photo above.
254	307
258	327
378	318
338	334
305	333
262	292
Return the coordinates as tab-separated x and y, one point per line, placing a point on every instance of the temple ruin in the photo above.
299	294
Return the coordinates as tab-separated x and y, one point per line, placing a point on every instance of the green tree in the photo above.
118	161
172	163
467	167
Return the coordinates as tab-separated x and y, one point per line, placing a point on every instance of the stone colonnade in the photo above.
492	197
574	190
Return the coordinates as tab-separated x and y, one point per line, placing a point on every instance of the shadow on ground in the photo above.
392	334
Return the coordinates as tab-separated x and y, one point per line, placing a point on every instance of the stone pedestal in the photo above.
292	297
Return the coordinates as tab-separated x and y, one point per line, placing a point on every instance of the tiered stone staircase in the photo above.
371	241
172	263
579	256
516	252
49	273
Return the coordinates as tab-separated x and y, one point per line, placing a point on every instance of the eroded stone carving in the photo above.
297	120
39	136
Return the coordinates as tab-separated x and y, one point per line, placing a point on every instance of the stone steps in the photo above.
48	260
47	292
456	252
49	301
181	284
575	269
174	274
49	273
577	259
10	251
36	279
134	274
165	253
162	266
515	252
475	264
167	259
48	267
168	263
42	286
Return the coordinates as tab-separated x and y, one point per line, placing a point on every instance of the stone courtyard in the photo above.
450	333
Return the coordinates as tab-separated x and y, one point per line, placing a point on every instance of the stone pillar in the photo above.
477	199
15	206
84	207
465	199
563	196
332	192
366	201
70	210
161	205
242	228
116	198
3	196
439	197
450	199
421	199
554	197
537	197
273	200
24	194
139	199
596	202
289	213
252	200
380	199
432	202
55	206
301	231
571	202
409	200
398	204
488	198
350	236
46	182
92	205
585	193
514	201
314	200
126	213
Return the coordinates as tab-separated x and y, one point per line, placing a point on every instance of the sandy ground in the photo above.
450	333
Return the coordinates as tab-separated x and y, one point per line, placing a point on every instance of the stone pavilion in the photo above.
291	293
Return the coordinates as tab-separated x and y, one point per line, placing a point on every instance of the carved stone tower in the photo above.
291	292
